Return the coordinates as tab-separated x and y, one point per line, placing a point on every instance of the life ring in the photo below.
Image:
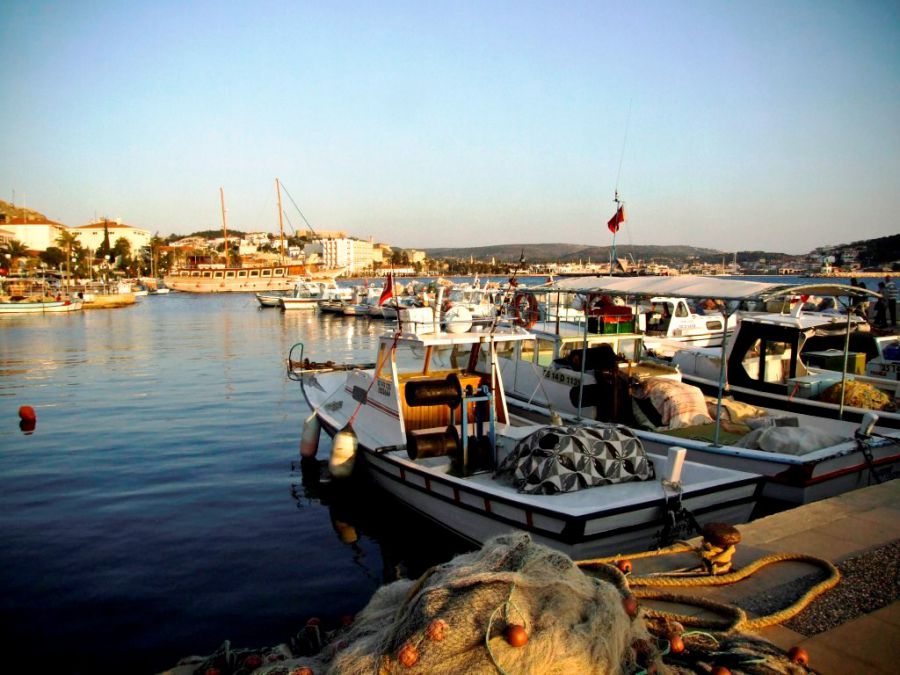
525	309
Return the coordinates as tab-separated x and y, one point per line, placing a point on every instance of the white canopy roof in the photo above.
700	287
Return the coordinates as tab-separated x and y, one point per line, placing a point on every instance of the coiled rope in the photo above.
715	554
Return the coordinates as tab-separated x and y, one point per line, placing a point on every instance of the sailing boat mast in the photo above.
280	219
224	225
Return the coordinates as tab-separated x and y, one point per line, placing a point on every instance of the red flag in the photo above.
388	291
616	220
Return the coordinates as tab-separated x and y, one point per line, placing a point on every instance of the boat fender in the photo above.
27	414
309	442
343	453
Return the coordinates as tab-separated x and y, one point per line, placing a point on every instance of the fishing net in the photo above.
558	459
858	395
454	619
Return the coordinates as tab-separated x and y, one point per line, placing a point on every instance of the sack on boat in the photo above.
789	440
678	403
558	459
452	619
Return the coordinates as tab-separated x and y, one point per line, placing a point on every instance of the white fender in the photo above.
343	453
458	319
309	442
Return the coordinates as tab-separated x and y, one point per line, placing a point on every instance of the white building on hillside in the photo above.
91	235
34	234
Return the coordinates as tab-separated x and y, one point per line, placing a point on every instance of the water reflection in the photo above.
360	512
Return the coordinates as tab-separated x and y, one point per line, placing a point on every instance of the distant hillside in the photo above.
536	253
10	212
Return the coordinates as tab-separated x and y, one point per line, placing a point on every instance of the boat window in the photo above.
279	272
194	274
217	275
207	275
229	275
629	349
545	352
266	273
242	273
768	361
526	352
254	273
504	349
681	309
714	325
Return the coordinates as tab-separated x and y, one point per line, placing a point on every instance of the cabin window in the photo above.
194	274
266	273
527	351
768	361
714	325
207	275
254	273
229	275
242	273
279	272
681	310
545	352
505	349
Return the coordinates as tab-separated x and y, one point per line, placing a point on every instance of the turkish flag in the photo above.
616	220
388	291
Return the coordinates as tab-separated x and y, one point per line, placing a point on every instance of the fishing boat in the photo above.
26	296
430	421
783	361
605	374
306	295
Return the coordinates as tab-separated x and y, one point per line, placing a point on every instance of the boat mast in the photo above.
280	219
224	225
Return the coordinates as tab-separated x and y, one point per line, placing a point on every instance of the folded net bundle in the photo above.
458	618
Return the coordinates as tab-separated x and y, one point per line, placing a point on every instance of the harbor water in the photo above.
159	506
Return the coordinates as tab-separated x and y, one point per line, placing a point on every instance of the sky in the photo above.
764	125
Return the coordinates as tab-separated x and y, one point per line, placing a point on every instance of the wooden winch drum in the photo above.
447	392
434	444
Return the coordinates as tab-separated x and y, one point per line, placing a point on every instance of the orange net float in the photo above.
525	309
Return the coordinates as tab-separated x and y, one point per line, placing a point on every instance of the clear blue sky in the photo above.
769	125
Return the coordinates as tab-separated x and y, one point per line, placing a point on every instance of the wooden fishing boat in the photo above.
430	421
28	296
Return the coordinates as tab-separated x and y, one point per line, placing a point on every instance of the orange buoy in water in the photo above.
309	442
27	414
343	453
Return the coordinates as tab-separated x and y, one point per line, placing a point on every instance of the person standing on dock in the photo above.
890	294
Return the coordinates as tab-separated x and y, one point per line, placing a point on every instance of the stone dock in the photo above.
852	628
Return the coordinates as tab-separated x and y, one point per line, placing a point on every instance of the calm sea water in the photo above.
159	507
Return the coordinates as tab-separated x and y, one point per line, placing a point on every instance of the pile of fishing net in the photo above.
858	395
511	607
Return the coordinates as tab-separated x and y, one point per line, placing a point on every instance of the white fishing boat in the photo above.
334	299
34	296
306	295
430	421
604	375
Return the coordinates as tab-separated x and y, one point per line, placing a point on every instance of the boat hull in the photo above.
476	515
53	307
245	280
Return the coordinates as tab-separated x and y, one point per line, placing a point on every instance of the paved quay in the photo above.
852	628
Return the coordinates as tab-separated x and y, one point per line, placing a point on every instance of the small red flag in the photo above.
616	220
388	291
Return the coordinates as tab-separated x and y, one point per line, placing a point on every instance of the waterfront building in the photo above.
354	255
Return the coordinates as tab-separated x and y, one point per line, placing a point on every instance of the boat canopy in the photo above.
701	287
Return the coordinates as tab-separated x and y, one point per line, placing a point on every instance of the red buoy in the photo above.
27	414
